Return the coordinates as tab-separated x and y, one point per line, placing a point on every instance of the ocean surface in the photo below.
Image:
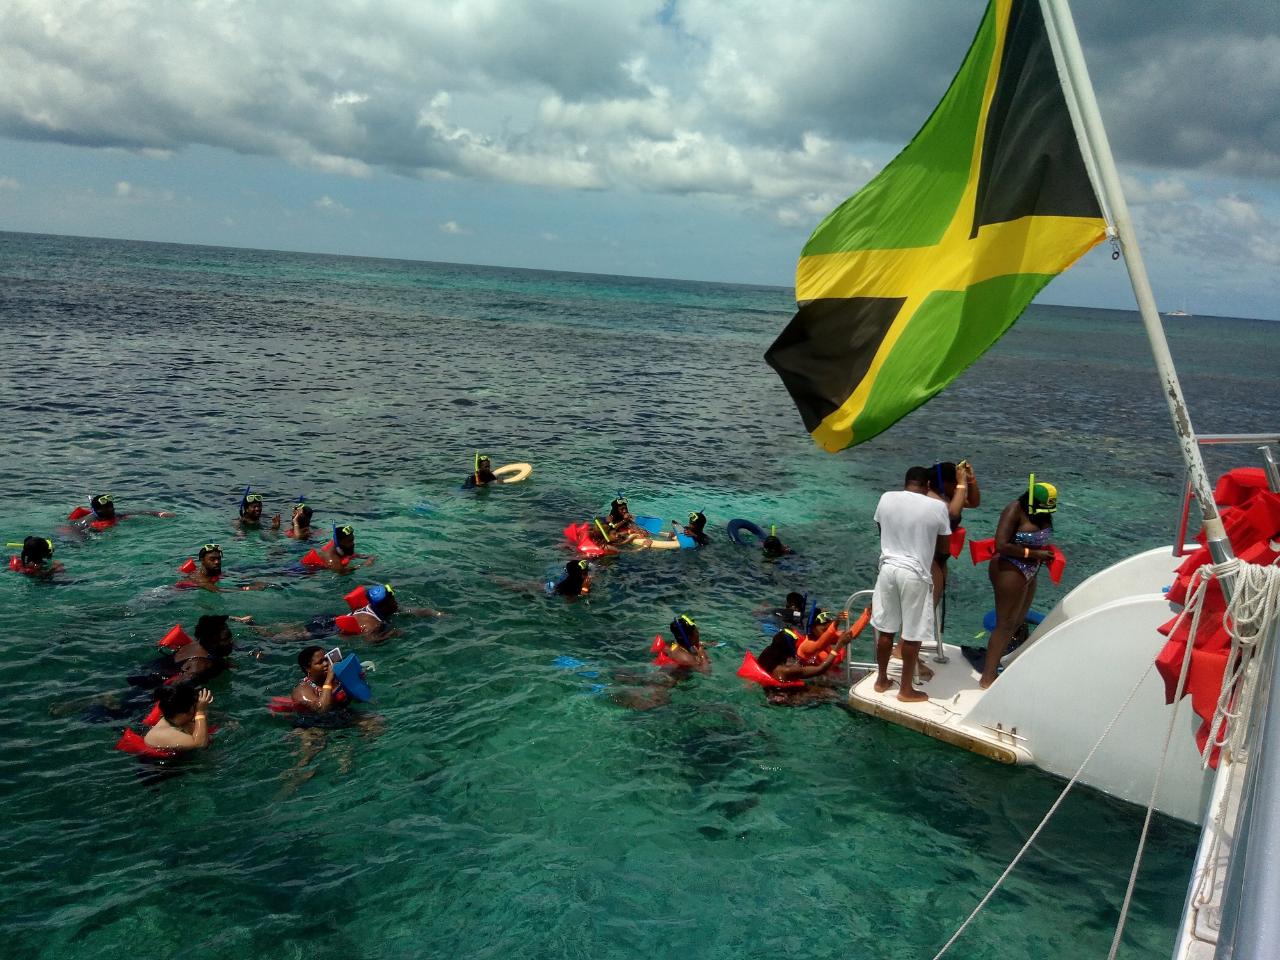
506	805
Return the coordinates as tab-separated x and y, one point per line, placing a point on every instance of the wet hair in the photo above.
176	699
917	476
781	649
212	633
940	474
305	655
575	573
617	509
305	512
772	546
36	550
697	521
795	600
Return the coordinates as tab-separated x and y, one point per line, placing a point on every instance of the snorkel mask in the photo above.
102	500
343	531
247	498
1041	497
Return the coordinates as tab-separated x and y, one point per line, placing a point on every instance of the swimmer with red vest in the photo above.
36	558
829	636
251	513
204	571
339	554
371	608
784	676
101	513
318	691
685	650
199	659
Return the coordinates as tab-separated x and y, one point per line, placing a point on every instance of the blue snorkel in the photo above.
244	498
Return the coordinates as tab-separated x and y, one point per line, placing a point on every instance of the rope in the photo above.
1047	817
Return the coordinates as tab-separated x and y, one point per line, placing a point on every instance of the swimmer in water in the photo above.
372	621
340	554
36	558
781	661
772	547
823	639
300	522
696	528
208	572
102	513
620	519
184	719
686	649
576	581
482	475
251	513
317	692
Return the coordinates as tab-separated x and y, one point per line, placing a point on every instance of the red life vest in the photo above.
751	670
984	550
312	557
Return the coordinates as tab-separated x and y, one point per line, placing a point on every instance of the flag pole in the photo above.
1078	89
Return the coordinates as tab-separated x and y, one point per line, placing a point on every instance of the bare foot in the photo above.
912	696
984	683
883	685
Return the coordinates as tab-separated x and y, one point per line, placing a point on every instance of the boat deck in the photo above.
953	693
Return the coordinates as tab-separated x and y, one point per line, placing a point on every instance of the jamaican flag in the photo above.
909	281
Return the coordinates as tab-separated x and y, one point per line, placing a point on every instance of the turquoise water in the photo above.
506	807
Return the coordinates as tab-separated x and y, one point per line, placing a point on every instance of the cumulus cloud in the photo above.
453	228
783	108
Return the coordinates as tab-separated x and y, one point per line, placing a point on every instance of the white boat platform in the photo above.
953	693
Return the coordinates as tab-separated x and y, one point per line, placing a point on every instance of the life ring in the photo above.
738	527
517	471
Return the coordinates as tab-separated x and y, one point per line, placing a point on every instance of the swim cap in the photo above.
1042	497
379	592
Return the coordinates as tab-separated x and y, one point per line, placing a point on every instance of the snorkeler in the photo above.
205	571
823	637
300	522
620	519
772	547
781	659
251	513
576	581
372	610
184	719
36	558
200	659
101	513
482	473
685	650
696	528
339	553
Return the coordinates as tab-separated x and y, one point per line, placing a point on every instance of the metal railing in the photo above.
1262	441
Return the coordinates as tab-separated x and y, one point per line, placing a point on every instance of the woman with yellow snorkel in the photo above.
1022	543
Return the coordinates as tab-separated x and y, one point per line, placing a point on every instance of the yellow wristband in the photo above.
327	686
1026	552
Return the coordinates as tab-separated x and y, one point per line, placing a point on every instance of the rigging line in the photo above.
1047	817
1155	786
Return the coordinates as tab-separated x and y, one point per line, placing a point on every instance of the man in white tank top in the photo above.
913	527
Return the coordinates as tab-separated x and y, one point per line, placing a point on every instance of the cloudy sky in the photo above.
700	139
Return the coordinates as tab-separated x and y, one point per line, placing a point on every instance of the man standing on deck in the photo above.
913	528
